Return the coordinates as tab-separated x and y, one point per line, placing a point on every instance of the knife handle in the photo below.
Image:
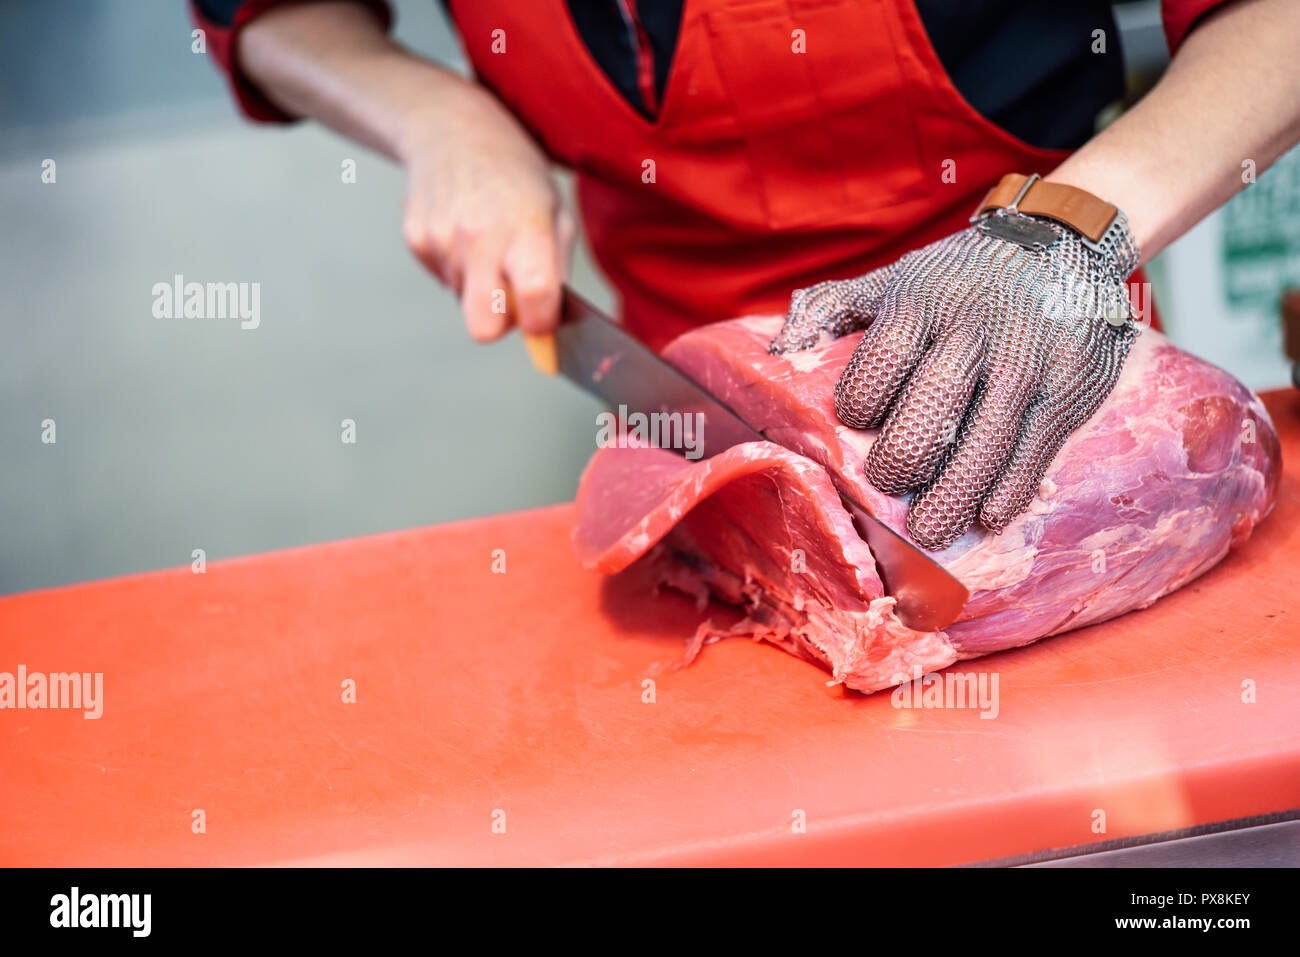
540	346
541	349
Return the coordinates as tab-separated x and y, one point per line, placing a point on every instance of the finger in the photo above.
532	266
425	234
1045	433
433	246
1075	389
922	425
483	299
833	308
881	363
417	241
947	507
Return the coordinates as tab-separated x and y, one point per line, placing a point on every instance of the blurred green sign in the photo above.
1261	237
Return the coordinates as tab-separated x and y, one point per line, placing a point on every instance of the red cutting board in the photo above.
502	718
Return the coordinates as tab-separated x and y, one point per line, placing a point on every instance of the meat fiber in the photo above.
1174	470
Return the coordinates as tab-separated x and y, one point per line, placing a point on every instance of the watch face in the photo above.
1021	231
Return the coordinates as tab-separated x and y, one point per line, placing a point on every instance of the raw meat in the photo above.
1174	470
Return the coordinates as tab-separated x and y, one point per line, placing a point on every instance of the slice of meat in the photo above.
763	527
1176	468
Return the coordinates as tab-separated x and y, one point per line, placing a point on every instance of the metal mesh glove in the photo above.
984	351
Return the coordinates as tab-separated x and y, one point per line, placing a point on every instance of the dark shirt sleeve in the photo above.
1181	15
223	20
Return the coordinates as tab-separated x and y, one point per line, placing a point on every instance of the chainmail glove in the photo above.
983	352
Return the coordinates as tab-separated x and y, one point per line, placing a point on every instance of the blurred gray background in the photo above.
181	434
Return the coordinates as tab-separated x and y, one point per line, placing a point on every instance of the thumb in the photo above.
833	308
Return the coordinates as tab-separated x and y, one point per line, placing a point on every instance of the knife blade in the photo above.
602	358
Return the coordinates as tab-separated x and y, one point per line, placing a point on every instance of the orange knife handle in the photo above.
541	349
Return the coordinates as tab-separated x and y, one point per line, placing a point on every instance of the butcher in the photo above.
928	169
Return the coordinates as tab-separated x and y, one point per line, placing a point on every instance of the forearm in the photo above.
1231	94
332	62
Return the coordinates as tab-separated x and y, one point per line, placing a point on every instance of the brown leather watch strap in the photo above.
1076	208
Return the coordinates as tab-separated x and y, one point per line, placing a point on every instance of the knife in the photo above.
602	358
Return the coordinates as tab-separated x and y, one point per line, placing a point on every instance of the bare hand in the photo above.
483	214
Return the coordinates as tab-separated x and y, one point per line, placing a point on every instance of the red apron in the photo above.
766	169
